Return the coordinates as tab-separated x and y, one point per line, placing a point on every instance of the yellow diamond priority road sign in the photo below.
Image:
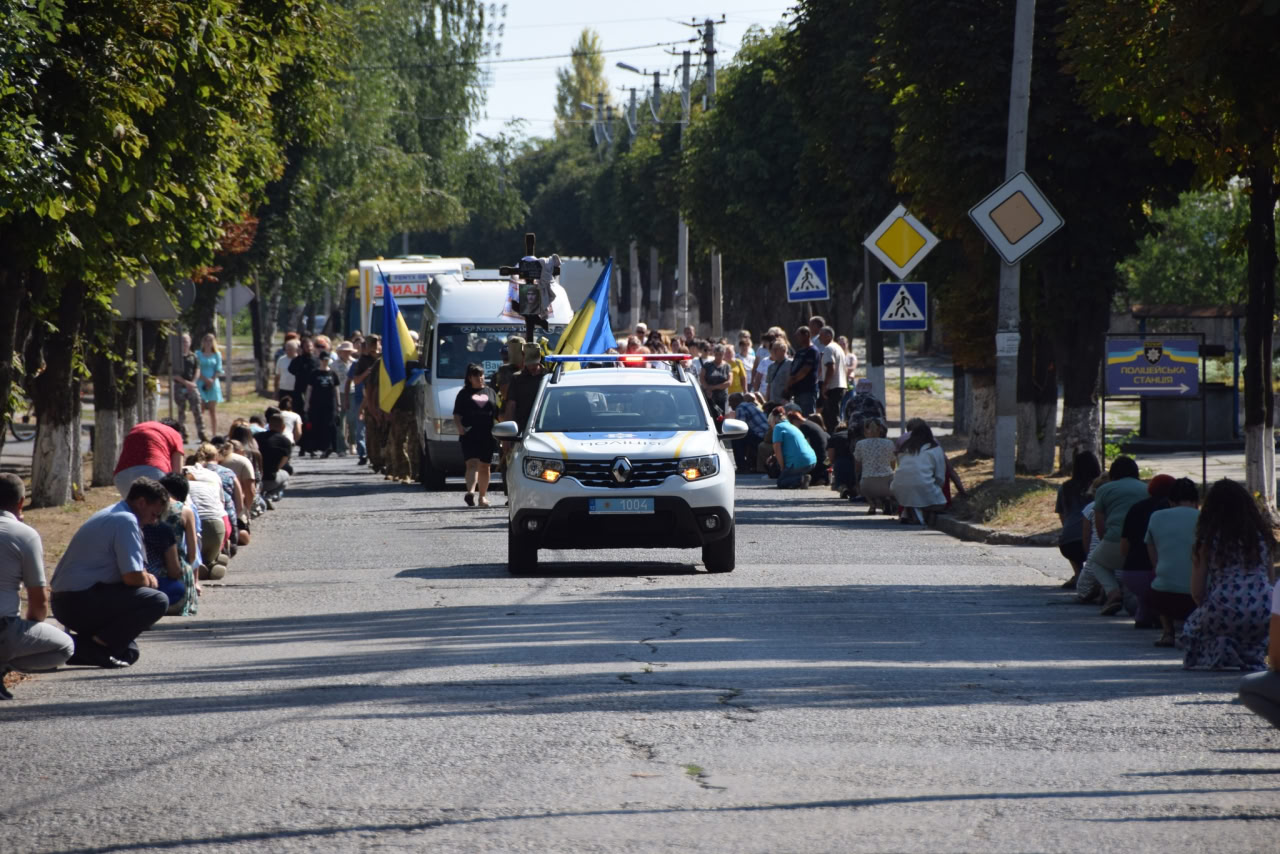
1016	218
900	242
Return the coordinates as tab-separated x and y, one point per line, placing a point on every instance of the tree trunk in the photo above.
959	400
1081	315
1037	388
106	415
56	462
667	314
1259	401
1080	432
12	289
981	406
260	346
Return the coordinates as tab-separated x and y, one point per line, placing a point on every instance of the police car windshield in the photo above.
620	409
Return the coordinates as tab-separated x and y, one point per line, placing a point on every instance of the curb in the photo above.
973	533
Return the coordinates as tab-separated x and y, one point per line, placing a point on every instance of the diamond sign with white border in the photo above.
1016	218
900	242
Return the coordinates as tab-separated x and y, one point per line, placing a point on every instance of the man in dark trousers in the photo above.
102	592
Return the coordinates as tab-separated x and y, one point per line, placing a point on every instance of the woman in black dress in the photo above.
474	411
322	408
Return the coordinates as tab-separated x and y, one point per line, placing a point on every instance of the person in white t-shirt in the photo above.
834	379
284	380
762	361
1260	692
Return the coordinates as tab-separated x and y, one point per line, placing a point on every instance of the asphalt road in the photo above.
368	678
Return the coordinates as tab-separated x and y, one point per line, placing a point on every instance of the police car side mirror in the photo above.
732	428
508	430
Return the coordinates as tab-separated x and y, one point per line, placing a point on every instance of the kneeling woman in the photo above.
1231	582
922	470
874	459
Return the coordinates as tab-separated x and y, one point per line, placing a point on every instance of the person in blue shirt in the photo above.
790	448
102	591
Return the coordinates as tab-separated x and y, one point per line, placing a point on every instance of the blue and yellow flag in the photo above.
397	349
590	331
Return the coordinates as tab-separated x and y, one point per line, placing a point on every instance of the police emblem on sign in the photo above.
1153	351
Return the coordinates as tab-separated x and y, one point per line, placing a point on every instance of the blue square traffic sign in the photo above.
807	280
903	306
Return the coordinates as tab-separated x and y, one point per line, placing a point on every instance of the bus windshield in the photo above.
461	344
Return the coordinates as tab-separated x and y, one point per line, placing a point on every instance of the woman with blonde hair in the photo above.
211	367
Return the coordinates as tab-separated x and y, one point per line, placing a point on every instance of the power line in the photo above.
732	16
463	63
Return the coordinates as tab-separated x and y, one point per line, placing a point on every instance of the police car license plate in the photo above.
619	505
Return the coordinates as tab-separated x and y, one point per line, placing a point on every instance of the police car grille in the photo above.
600	472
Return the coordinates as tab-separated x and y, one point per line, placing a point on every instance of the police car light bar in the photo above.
625	358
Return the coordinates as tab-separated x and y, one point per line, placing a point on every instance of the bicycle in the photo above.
22	423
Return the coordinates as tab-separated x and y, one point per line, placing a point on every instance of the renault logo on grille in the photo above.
621	469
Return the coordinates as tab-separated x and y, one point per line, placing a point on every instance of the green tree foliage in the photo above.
751	185
151	145
1197	255
950	152
1192	70
580	82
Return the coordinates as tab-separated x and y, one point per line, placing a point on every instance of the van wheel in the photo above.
718	556
522	554
431	477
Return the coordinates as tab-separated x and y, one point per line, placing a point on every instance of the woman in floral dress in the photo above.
1231	581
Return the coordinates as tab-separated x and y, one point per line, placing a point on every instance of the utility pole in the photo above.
1008	311
682	231
717	285
633	251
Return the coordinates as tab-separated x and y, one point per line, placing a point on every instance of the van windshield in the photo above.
620	408
411	312
460	344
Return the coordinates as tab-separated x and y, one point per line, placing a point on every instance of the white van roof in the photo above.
456	299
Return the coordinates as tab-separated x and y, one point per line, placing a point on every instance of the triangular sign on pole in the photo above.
807	281
902	307
144	299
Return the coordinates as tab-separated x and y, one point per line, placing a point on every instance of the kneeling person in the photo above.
30	644
101	590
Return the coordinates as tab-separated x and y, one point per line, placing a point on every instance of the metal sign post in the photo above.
903	307
143	299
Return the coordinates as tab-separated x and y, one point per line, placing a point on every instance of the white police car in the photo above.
620	454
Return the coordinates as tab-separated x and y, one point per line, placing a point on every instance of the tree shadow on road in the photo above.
703	644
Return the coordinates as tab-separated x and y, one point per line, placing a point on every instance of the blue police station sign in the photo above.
904	306
807	279
1153	366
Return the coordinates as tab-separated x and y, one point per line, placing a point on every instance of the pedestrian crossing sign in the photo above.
807	280
904	306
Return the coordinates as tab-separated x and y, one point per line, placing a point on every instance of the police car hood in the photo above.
656	445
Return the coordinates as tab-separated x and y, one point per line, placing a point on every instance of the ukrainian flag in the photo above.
590	331
397	349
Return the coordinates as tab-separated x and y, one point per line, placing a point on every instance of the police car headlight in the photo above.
696	468
548	471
